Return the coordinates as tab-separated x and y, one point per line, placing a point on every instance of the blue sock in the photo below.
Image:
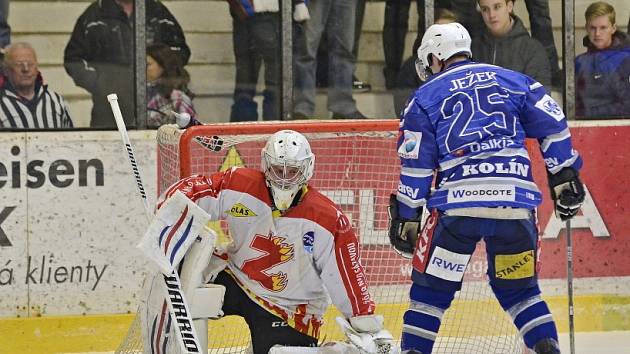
421	321
529	312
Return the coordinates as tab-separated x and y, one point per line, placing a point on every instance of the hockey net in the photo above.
357	166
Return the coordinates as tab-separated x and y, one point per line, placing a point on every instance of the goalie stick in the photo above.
177	304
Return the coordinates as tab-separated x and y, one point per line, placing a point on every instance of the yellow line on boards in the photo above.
101	333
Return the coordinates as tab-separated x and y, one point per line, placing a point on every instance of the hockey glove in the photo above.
300	13
403	233
567	192
367	334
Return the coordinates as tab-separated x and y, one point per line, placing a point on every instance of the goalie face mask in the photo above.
287	162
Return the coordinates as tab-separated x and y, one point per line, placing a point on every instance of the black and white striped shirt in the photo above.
46	110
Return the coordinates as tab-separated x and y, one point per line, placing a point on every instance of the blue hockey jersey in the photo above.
466	127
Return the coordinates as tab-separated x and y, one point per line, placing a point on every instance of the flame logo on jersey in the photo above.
275	251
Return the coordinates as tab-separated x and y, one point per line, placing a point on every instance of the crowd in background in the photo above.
99	57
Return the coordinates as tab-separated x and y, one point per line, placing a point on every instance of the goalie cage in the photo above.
357	167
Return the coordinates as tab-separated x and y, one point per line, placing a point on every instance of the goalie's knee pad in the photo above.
207	301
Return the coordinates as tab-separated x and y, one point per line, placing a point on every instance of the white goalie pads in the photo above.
171	301
173	229
368	335
328	348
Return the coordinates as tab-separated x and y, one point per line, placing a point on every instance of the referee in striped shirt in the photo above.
25	101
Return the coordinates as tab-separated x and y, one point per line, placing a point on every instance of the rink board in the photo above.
74	334
68	266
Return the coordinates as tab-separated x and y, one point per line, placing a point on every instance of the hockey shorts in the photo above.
266	329
446	243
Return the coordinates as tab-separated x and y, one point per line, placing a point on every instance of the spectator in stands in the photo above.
395	26
25	101
407	81
167	86
505	42
99	56
603	73
256	40
542	31
337	18
322	54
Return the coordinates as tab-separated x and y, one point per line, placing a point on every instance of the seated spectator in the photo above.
25	101
256	40
602	74
167	86
407	80
99	55
505	42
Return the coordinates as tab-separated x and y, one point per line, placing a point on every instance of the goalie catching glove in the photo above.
368	335
403	233
567	192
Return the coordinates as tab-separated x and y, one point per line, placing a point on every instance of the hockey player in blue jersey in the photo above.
465	128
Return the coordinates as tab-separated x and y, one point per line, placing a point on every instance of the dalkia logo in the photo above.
239	210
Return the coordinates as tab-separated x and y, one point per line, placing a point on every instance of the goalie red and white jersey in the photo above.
284	261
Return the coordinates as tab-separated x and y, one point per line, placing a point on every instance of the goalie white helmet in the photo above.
288	162
443	41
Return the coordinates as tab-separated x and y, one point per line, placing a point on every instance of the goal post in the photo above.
357	166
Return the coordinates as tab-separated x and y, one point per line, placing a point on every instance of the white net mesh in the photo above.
356	166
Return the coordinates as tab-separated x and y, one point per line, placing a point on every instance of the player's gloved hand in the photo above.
567	192
403	233
300	13
368	335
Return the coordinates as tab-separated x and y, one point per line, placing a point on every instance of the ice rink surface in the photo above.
610	342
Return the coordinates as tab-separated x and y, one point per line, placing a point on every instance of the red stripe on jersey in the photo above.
343	262
423	244
318	208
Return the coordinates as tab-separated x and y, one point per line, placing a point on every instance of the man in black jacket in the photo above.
506	42
100	54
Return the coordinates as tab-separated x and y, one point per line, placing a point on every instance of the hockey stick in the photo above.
570	287
122	129
177	304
